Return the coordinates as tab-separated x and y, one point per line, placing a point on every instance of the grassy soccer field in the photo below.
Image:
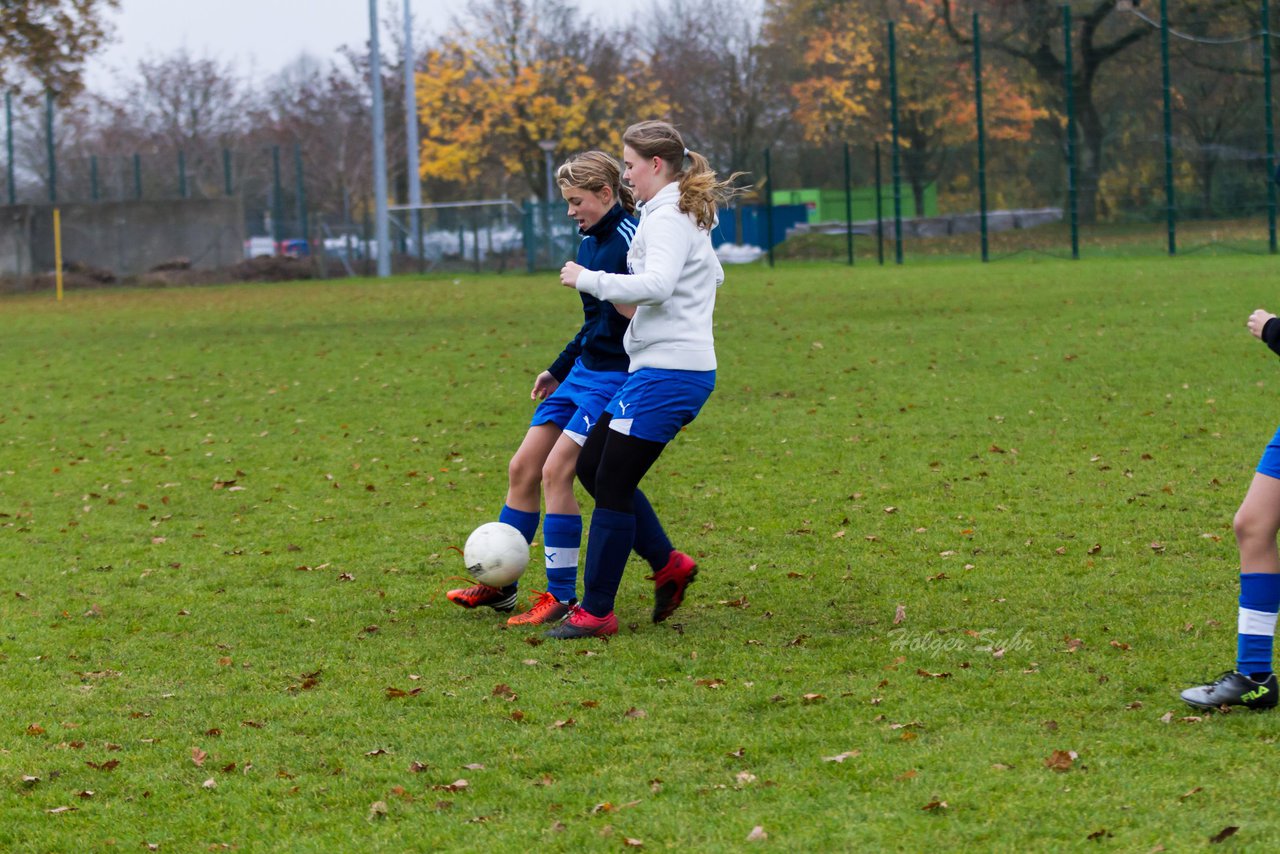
963	530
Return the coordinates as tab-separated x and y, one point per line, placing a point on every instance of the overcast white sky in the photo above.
265	35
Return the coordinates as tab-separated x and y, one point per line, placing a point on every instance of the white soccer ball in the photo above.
496	554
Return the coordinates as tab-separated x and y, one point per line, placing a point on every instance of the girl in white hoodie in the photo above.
672	280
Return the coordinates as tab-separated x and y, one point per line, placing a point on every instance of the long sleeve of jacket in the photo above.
564	362
667	246
1271	335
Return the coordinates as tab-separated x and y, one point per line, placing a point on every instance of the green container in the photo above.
828	205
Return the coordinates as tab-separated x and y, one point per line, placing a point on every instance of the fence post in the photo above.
137	176
895	157
1073	201
530	239
982	136
182	174
300	193
1270	127
93	176
879	212
8	143
768	204
48	139
1169	203
226	171
277	207
848	205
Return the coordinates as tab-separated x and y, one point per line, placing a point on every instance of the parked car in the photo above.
294	248
257	247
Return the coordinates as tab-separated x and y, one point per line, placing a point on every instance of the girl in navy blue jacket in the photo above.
574	391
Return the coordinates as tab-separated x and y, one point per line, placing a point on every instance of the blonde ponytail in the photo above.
700	192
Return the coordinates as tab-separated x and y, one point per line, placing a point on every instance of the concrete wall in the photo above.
126	238
15	241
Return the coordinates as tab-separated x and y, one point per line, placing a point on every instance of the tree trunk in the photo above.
1088	160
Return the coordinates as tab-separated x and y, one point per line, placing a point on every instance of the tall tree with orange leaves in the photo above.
515	74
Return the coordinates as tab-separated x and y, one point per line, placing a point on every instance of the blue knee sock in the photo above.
608	547
524	522
652	543
562	540
1259	602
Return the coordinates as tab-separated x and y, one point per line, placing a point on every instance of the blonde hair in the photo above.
593	171
700	192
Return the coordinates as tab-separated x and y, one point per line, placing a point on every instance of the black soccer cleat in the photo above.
1234	689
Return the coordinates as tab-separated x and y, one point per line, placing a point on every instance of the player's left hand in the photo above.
1258	320
543	386
569	274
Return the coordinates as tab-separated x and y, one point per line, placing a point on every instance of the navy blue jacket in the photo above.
599	341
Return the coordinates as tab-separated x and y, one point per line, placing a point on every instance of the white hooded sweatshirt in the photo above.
673	280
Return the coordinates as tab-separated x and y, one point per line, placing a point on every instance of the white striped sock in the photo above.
1260	623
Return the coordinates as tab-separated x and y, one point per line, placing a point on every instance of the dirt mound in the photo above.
84	271
270	268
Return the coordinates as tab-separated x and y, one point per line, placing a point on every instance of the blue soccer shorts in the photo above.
654	403
576	404
1270	462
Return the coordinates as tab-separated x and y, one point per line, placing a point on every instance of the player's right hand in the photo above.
543	386
1258	321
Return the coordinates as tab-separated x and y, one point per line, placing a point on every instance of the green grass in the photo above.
226	525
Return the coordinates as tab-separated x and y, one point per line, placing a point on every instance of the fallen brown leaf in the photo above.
928	675
1061	760
1224	834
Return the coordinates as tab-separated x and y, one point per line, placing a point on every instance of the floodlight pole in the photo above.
548	147
411	133
379	148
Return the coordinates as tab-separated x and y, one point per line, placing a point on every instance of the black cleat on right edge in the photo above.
1234	689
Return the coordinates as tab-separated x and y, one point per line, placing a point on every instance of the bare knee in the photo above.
558	472
1255	529
524	473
